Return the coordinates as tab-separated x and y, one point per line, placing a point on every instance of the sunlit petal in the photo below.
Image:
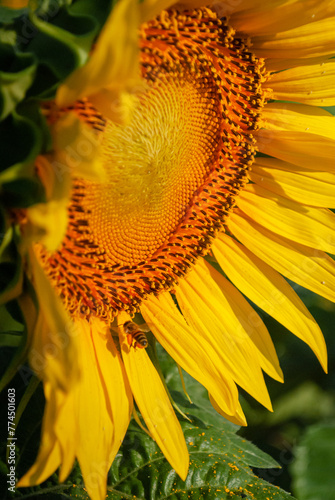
154	404
179	340
306	225
304	186
270	291
222	316
312	269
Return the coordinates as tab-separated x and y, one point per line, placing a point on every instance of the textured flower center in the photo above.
172	173
155	166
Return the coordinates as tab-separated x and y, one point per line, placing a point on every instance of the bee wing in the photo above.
144	327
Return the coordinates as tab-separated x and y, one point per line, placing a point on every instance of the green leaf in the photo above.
219	469
10	329
7	15
75	32
17	71
99	9
59	40
22	193
313	468
16	161
11	273
13	339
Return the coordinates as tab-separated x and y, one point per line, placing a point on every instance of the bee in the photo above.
136	334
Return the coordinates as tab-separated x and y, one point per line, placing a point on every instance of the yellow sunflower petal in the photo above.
155	405
309	268
185	345
114	63
306	225
53	350
275	163
75	154
310	40
73	426
49	456
269	291
280	15
238	420
298	118
47	224
116	104
76	150
228	8
101	426
214	308
303	186
274	65
149	9
300	148
313	84
62	425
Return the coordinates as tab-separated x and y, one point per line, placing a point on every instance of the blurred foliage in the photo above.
313	468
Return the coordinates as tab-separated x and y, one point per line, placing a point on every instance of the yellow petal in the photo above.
306	225
76	154
218	312
280	15
48	175
269	291
46	224
115	59
154	404
76	150
273	65
58	421
275	163
238	420
149	9
102	405
49	455
229	8
298	118
303	186
310	40
73	426
191	4
308	267
300	148
312	84
117	105
53	353
190	350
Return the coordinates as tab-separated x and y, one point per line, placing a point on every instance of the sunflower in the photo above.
219	165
